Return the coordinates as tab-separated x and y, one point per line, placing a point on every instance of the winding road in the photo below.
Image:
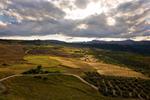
19	75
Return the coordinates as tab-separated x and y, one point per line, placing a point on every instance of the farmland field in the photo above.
126	78
41	60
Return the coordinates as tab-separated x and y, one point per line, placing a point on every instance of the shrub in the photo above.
38	77
45	78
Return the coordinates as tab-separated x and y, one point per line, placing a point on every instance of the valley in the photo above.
63	69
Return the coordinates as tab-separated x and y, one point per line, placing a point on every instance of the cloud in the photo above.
34	10
136	15
65	38
82	3
2	24
121	19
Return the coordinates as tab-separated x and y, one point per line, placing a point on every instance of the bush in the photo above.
37	70
45	78
4	64
38	77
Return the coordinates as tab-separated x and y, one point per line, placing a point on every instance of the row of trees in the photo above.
120	86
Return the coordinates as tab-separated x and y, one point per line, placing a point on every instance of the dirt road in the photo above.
19	75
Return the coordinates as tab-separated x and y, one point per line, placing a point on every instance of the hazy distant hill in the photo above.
141	47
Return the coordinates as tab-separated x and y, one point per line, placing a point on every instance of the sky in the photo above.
75	20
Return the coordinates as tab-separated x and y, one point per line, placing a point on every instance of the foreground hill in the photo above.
51	87
54	87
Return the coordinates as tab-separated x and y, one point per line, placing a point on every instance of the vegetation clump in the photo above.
40	77
39	70
4	64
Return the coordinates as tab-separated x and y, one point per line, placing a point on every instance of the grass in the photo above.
72	62
47	62
31	62
4	74
57	87
56	63
41	60
65	69
11	54
55	69
54	51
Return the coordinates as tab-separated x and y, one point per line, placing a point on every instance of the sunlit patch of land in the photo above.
114	70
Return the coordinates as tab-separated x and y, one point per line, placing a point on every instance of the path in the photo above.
18	75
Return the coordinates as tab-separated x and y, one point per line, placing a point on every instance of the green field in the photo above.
41	60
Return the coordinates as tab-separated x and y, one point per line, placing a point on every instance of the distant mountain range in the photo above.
141	47
125	42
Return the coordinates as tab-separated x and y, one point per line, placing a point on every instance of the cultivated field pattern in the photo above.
71	72
120	86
